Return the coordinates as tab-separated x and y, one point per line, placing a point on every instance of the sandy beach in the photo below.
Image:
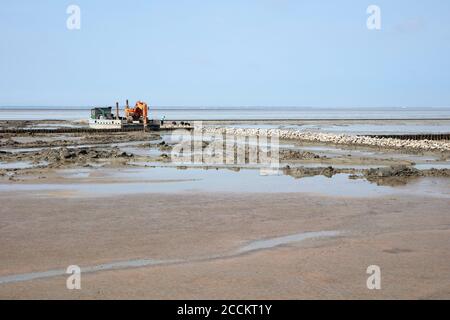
198	236
143	226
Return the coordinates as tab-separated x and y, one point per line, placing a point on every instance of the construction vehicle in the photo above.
137	114
101	113
102	118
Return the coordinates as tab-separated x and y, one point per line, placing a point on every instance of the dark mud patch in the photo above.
287	154
401	175
55	158
52	140
328	172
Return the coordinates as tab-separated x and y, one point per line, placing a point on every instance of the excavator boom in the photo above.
138	113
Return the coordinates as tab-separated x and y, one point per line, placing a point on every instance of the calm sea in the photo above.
234	113
266	113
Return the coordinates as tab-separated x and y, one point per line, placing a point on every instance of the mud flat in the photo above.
141	225
224	245
34	156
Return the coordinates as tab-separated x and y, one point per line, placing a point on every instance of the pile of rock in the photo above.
400	175
287	154
301	172
425	145
393	171
163	146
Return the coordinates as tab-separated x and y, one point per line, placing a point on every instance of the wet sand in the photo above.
406	236
219	231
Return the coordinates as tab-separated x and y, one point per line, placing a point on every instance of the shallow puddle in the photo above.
275	242
173	180
21	165
332	151
102	267
426	166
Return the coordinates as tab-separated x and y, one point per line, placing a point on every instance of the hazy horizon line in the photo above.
222	107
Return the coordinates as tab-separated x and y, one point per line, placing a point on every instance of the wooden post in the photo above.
145	112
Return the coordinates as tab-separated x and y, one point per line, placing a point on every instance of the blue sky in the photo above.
225	53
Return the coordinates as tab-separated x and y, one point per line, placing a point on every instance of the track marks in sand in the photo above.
139	263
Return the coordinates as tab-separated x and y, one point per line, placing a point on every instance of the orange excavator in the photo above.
138	113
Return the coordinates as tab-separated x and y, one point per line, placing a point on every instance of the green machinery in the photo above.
101	113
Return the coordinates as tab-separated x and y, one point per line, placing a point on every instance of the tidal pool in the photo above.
193	180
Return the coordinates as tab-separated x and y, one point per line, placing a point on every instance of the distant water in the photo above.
234	113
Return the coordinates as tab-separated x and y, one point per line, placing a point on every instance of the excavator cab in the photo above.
138	113
101	113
